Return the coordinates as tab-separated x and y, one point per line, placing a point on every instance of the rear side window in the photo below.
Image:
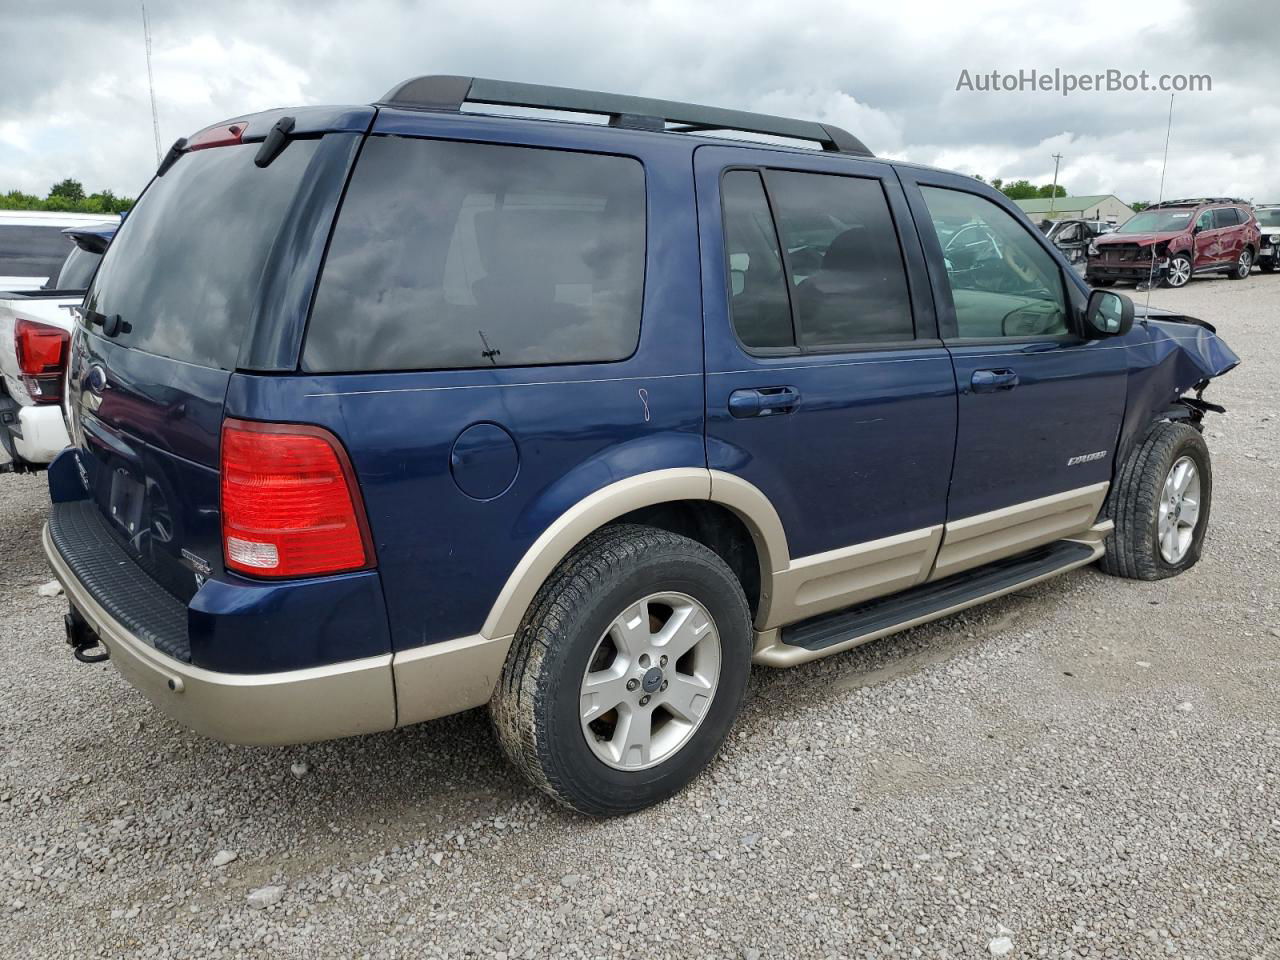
31	251
757	282
1226	217
184	272
847	275
452	255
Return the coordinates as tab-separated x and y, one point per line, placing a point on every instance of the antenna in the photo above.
151	80
1164	166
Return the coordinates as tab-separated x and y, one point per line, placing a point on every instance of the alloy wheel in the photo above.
650	681
1245	265
1179	272
1179	510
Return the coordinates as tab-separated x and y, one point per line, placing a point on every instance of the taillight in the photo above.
290	503
42	358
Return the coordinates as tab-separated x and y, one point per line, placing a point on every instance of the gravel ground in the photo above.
1087	768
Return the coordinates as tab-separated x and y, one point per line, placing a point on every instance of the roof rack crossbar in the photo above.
1191	201
449	93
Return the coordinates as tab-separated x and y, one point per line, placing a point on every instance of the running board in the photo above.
832	632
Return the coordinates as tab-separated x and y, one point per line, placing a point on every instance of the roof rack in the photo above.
1196	201
449	93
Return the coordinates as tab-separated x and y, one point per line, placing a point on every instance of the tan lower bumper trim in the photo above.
447	677
294	706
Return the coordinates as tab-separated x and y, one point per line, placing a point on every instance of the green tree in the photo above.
1049	190
69	190
67	197
1020	190
1140	205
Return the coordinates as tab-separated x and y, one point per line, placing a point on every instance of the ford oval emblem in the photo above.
97	378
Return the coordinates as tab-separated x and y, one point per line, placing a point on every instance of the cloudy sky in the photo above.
74	102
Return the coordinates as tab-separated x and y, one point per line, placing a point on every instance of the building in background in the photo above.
1106	207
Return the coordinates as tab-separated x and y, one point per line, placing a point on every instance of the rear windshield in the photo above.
30	251
77	270
184	272
450	255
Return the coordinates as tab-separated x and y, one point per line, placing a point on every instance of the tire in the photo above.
1139	495
1244	265
570	629
1181	276
1266	266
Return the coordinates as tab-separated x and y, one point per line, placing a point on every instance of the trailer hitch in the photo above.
82	638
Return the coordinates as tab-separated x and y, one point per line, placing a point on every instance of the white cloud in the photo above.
75	100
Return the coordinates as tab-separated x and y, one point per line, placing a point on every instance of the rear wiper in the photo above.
111	324
276	140
172	156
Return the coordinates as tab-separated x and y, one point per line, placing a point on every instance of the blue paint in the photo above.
462	470
484	461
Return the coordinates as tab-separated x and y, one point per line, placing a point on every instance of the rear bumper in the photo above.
44	433
292	706
32	434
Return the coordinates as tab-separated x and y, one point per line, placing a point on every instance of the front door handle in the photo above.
763	401
989	381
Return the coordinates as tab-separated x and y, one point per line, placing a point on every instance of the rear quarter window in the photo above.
454	255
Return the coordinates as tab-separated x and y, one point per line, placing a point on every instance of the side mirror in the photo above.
1109	314
1196	229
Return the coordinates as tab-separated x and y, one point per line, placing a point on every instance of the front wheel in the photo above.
1160	504
1266	266
1244	265
627	672
1179	271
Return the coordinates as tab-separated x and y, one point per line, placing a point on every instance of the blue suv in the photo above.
380	413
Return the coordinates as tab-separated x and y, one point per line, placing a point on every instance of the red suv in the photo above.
1176	240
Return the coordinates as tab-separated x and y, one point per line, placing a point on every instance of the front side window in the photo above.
450	255
1205	220
1003	283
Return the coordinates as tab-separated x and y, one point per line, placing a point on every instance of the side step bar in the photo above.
832	632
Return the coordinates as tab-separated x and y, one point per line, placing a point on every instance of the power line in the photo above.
151	80
1053	193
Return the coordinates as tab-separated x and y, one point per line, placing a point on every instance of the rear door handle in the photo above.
763	401
989	381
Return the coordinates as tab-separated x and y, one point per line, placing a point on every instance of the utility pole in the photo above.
1053	194
151	81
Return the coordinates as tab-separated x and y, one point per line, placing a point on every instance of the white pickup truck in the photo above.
35	332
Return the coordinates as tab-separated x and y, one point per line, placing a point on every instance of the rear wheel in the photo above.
1179	271
1244	265
1160	504
627	672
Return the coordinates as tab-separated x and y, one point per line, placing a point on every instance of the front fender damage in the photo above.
1172	358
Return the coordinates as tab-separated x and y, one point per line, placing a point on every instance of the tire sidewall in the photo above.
1190	270
1192	446
565	747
